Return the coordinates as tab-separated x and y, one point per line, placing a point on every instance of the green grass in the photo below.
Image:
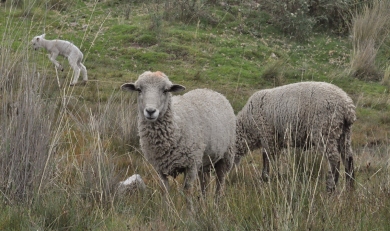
93	141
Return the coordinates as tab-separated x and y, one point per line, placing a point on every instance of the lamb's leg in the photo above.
189	179
76	70
334	166
52	57
83	72
347	157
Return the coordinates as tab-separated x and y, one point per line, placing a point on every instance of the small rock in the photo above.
131	185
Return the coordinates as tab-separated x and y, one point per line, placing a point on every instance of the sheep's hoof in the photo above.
265	176
83	83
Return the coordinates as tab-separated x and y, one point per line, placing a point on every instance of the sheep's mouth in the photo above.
151	118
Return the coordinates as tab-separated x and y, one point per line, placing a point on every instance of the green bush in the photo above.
293	17
299	17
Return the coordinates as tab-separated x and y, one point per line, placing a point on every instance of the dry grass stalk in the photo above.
368	34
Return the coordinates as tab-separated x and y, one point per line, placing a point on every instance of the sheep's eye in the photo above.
139	90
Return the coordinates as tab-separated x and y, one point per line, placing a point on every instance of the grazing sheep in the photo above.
299	115
66	49
131	185
189	134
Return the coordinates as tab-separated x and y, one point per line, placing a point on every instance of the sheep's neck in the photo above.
159	134
246	139
46	44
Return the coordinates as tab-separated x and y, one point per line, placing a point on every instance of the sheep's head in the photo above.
36	41
153	93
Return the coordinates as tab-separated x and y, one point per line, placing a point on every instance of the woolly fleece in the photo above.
193	133
300	115
64	48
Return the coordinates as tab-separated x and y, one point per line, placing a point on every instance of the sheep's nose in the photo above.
150	111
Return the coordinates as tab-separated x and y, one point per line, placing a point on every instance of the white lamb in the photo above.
68	50
189	134
299	115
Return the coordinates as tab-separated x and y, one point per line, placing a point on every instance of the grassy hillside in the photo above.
64	149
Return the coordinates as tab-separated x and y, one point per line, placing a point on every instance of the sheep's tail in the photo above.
345	145
350	114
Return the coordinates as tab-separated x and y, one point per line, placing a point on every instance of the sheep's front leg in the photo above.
204	178
334	168
222	168
190	177
52	57
265	173
164	183
165	188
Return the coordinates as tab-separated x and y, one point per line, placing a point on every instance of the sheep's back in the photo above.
205	118
299	108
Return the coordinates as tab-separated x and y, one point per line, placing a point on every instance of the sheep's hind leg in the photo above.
347	157
83	72
76	71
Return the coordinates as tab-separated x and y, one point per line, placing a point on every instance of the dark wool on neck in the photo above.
158	134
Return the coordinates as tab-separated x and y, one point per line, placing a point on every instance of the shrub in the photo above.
291	16
333	14
188	11
299	17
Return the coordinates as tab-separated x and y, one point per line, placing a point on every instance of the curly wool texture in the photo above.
193	133
196	128
298	115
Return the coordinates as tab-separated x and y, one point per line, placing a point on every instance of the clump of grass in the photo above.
26	134
273	72
386	79
368	33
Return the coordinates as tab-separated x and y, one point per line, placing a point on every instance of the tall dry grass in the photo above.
61	157
386	78
370	27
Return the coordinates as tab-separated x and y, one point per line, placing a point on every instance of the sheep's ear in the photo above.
176	88
129	87
43	36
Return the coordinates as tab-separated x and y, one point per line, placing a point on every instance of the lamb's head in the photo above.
36	41
153	94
